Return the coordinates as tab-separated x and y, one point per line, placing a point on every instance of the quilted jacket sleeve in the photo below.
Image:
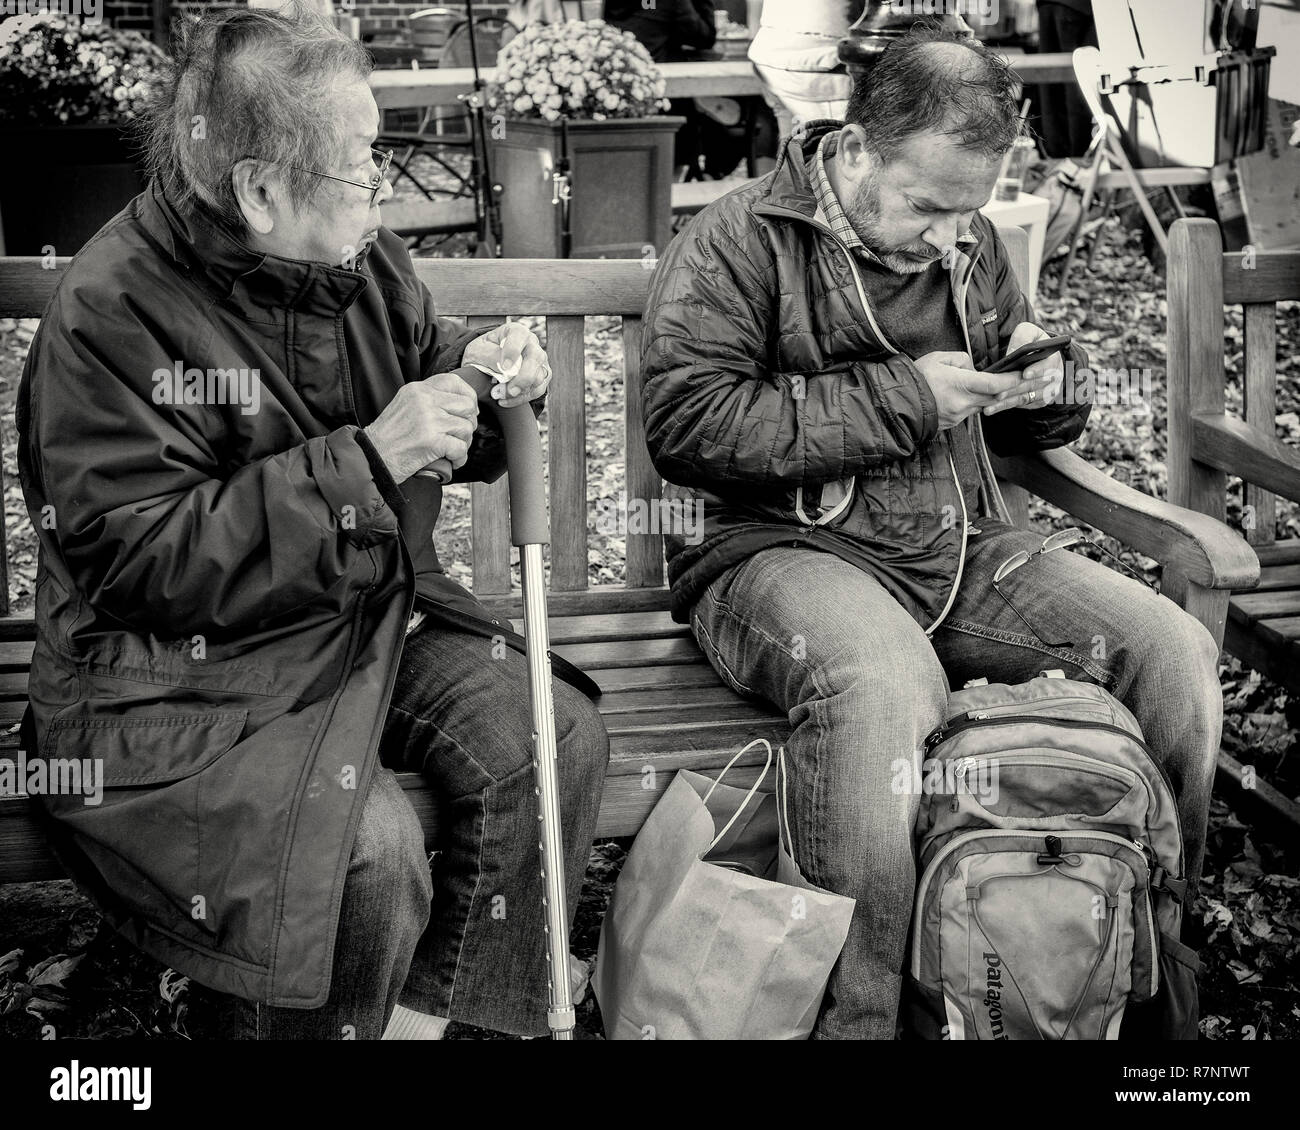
717	414
1019	430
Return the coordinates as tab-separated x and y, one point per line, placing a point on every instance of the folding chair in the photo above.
491	33
1107	149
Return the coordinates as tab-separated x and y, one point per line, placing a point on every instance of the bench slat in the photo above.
1250	608
622	626
1275	577
690	737
667	717
567	447
645	551
651	698
1279	553
17	628
528	287
603	599
631	653
16	656
1259	395
698	674
1273	276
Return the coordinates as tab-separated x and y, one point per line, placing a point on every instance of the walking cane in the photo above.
530	530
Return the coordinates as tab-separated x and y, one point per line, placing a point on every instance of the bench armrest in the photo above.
1201	548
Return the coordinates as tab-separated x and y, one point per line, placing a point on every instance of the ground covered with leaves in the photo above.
62	973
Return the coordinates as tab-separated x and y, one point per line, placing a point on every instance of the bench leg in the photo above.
1209	606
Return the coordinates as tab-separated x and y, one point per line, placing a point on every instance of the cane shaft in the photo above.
560	1015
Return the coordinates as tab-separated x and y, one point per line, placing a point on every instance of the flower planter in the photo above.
67	183
621	174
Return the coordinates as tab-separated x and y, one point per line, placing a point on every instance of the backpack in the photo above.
1050	896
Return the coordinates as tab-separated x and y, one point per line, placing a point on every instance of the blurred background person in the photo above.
524	12
795	55
1065	123
667	28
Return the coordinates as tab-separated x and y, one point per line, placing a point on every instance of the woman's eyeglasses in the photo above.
1062	539
375	183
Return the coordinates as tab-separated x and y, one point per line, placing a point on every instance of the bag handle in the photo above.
782	811
748	796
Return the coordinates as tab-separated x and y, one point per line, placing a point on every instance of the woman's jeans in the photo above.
863	686
463	937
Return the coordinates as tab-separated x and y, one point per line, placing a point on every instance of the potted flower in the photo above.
69	91
586	97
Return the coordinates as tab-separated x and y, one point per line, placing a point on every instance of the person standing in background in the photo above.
1066	124
665	31
667	27
795	53
524	12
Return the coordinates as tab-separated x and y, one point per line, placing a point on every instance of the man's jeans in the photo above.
863	686
460	716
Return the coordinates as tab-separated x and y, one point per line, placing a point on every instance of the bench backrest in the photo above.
564	293
1205	443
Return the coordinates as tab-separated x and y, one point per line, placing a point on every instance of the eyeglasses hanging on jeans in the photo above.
1062	539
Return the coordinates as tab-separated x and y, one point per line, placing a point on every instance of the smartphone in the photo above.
1029	354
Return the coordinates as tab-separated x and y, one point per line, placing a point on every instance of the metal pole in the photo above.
487	213
530	530
560	1015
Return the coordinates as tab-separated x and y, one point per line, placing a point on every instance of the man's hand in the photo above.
959	389
513	350
427	420
1035	386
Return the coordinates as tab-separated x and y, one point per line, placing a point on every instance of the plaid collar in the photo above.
828	203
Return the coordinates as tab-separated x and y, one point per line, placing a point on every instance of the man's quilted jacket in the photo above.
766	377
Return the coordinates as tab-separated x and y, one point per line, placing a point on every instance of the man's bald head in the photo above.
931	82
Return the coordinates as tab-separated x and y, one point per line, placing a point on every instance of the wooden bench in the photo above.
663	705
1207	444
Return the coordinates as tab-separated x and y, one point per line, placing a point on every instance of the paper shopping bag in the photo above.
712	932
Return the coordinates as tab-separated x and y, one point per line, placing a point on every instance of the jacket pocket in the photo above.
146	833
136	752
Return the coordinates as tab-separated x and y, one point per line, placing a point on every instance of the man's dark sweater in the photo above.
916	312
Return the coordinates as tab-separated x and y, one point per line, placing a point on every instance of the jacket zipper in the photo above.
961	839
967	722
996	502
884	341
1029	756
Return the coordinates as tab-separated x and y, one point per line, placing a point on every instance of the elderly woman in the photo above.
241	613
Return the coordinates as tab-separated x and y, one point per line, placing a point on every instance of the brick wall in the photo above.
382	17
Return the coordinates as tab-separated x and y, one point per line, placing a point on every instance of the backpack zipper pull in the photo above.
1053	853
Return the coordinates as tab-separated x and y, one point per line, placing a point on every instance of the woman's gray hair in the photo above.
247	82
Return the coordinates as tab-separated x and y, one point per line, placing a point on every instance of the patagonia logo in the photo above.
989	318
993	994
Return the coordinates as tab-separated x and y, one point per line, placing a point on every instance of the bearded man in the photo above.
812	353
